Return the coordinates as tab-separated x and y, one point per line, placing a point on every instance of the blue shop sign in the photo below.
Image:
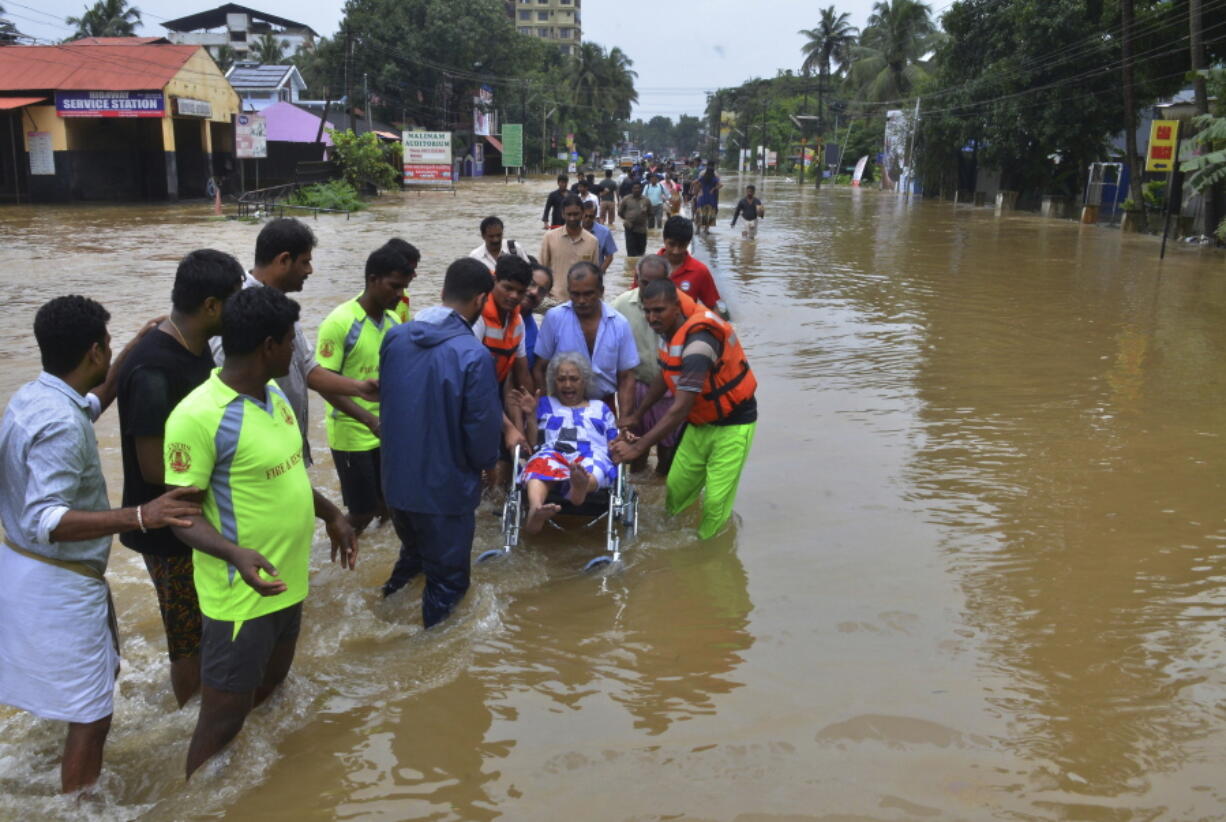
110	104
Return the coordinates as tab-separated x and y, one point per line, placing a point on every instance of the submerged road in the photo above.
977	572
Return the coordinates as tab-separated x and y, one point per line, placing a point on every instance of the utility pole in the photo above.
348	85
1197	43
1130	108
366	100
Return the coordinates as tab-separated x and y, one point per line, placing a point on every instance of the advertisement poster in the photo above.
512	146
250	137
427	157
483	113
110	104
42	157
1163	140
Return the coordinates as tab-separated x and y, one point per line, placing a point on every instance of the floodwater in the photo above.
977	571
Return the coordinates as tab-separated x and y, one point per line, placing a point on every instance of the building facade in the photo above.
240	28
557	21
112	119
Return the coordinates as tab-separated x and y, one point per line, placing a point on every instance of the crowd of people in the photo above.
422	411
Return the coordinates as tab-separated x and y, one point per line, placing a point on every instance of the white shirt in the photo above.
483	254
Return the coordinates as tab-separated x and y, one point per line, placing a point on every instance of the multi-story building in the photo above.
557	21
239	28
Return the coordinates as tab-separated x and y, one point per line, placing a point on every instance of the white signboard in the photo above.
427	157
42	156
250	137
187	107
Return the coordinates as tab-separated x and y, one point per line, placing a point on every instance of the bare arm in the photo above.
149	458
202	536
329	382
350	408
538	372
340	532
630	451
110	387
625	389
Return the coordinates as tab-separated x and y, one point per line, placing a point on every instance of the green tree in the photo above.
106	18
269	50
687	135
888	63
365	159
8	32
828	44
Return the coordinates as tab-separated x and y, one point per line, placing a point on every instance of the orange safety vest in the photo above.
728	385
502	342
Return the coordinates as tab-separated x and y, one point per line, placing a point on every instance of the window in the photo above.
525	30
564	49
238	37
542	32
566	2
525	15
542	16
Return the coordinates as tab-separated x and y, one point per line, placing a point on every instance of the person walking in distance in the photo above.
750	209
551	217
635	212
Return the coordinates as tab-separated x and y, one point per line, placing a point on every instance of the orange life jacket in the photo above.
730	383
502	342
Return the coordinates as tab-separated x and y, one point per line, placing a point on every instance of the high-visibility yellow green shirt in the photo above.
348	343
247	457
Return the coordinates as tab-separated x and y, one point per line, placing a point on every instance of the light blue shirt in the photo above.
606	245
654	192
614	350
51	466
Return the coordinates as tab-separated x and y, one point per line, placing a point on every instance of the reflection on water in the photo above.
976	571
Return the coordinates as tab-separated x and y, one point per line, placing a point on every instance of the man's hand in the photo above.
632	420
344	540
623	451
512	436
373	423
368	390
544	225
172	508
249	563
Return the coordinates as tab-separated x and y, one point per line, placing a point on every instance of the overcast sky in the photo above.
680	50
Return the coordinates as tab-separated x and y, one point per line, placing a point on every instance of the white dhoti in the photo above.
57	652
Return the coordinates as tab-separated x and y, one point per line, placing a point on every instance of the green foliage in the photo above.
269	50
1204	156
1154	194
365	160
888	64
106	18
1221	231
337	195
1012	80
842	179
425	59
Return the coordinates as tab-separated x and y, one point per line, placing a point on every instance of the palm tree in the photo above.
269	50
106	18
621	81
829	43
887	64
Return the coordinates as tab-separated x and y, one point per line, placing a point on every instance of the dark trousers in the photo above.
441	547
636	244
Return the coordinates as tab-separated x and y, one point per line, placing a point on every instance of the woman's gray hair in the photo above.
578	361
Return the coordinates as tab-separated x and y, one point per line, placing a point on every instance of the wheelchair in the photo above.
617	507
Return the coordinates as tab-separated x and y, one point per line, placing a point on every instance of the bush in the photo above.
842	179
338	195
553	164
365	159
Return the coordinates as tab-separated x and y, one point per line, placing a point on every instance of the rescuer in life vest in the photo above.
500	328
703	364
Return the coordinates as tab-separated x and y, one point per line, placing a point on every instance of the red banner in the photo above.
428	173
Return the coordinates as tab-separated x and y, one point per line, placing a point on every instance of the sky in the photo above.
681	48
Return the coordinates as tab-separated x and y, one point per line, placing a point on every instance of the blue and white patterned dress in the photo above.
580	435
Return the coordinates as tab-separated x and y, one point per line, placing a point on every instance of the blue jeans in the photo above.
441	547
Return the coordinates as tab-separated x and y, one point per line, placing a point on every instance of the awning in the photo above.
494	141
18	102
387	135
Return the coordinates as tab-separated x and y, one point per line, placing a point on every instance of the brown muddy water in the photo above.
977	573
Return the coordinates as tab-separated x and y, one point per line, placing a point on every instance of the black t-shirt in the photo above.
747	208
553	207
158	373
608	188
